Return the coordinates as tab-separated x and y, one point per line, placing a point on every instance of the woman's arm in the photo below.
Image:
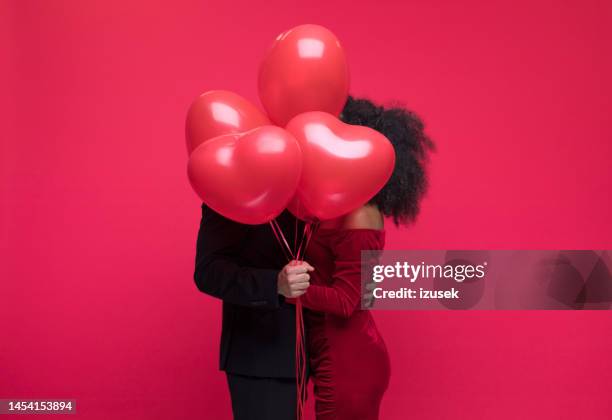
343	296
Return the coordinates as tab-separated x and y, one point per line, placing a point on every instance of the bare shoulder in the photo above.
366	217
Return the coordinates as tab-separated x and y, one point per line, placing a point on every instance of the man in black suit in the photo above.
244	265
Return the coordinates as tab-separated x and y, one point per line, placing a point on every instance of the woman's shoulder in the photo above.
358	230
364	218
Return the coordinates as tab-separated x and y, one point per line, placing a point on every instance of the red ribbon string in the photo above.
280	237
300	352
300	251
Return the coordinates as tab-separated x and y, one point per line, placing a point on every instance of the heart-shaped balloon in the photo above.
343	165
248	177
219	112
304	70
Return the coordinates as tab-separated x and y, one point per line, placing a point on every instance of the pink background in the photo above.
98	222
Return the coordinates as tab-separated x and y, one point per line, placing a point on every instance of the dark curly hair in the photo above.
400	197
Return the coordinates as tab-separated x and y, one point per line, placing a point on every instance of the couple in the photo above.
245	267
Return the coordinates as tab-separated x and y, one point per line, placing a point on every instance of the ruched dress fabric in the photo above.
347	355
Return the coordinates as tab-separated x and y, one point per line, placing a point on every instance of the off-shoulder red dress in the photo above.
348	358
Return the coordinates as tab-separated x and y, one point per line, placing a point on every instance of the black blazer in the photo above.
239	264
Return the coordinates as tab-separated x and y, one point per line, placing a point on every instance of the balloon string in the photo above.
280	242
296	255
300	358
280	237
300	354
312	228
299	253
309	229
296	226
284	239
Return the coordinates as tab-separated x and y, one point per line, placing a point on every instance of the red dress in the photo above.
349	360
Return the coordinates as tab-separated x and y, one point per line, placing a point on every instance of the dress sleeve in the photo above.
343	296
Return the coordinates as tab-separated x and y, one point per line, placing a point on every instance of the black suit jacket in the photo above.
239	264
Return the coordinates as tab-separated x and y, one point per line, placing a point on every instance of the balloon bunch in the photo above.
249	166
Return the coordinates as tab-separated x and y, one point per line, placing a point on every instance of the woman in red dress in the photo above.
348	357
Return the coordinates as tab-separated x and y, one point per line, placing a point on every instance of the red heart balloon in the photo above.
343	165
248	177
219	112
304	70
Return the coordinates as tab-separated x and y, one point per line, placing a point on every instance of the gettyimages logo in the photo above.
454	270
489	279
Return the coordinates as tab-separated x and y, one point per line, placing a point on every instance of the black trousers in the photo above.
262	398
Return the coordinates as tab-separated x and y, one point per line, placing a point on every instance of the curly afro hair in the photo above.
400	197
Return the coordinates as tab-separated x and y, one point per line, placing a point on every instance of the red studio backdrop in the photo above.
98	222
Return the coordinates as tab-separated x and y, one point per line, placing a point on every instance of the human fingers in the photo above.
308	266
299	278
296	269
300	286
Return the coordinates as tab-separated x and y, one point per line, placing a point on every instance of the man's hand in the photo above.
293	279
